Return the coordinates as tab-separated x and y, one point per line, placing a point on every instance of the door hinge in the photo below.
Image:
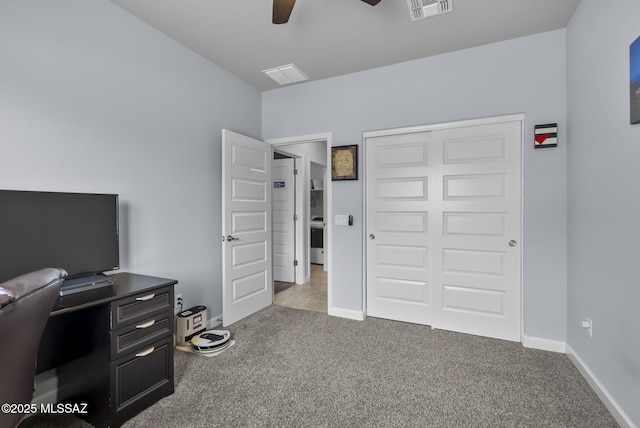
295	217
295	171
295	263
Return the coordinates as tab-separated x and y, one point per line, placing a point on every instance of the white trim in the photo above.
214	322
347	313
363	174
523	238
310	138
328	186
46	388
436	126
544	344
610	403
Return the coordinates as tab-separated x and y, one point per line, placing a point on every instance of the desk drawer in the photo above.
140	334
141	307
138	380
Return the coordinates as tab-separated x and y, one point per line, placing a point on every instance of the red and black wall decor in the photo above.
546	135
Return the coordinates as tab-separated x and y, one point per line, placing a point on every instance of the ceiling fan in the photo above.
282	9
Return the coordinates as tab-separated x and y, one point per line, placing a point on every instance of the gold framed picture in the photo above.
344	163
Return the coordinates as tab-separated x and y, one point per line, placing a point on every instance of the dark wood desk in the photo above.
112	347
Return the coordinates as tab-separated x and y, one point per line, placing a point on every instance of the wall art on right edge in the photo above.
634	78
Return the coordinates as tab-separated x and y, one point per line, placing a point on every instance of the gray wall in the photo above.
604	200
524	75
94	100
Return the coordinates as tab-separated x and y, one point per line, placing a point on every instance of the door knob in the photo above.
232	238
372	236
513	243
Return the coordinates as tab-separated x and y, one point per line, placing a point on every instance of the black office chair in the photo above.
25	304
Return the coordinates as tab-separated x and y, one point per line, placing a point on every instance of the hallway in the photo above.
311	296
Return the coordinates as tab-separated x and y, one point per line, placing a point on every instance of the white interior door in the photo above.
444	225
398	206
247	284
283	220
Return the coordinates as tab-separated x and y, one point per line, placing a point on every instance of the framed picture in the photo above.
634	80
344	163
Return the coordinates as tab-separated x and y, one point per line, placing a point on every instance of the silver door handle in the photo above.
372	236
232	238
513	243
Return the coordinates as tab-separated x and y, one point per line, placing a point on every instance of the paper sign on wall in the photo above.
278	184
546	135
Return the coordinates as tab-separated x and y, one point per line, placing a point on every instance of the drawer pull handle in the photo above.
147	324
145	353
147	297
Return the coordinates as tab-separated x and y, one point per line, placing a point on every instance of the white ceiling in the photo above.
327	38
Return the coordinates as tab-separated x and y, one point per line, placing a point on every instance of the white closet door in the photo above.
443	227
398	203
477	290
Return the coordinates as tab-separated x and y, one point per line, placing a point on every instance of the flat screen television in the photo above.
74	231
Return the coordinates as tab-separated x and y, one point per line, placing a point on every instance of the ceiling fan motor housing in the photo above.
282	9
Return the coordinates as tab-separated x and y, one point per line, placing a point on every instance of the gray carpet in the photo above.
294	368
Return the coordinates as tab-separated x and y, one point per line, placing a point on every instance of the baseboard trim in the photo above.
544	344
214	322
610	403
346	313
305	280
46	388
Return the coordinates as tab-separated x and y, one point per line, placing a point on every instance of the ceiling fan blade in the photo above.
372	2
282	10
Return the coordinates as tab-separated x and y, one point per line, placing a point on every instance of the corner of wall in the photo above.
607	399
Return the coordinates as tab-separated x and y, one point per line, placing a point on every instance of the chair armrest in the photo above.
20	286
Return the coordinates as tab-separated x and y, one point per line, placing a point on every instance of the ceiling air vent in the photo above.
421	9
286	74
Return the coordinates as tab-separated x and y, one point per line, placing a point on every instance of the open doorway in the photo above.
311	288
311	296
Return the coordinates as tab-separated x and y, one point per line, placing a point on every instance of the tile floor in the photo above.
311	296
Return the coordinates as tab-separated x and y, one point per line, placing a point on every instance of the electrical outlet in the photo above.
178	303
587	324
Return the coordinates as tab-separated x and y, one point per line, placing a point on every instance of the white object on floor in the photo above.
218	351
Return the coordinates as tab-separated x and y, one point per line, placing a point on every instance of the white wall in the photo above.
604	200
525	75
94	100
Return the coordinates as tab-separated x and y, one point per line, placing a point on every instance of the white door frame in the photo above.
456	124
321	137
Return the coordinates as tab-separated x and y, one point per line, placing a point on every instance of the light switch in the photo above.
342	220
